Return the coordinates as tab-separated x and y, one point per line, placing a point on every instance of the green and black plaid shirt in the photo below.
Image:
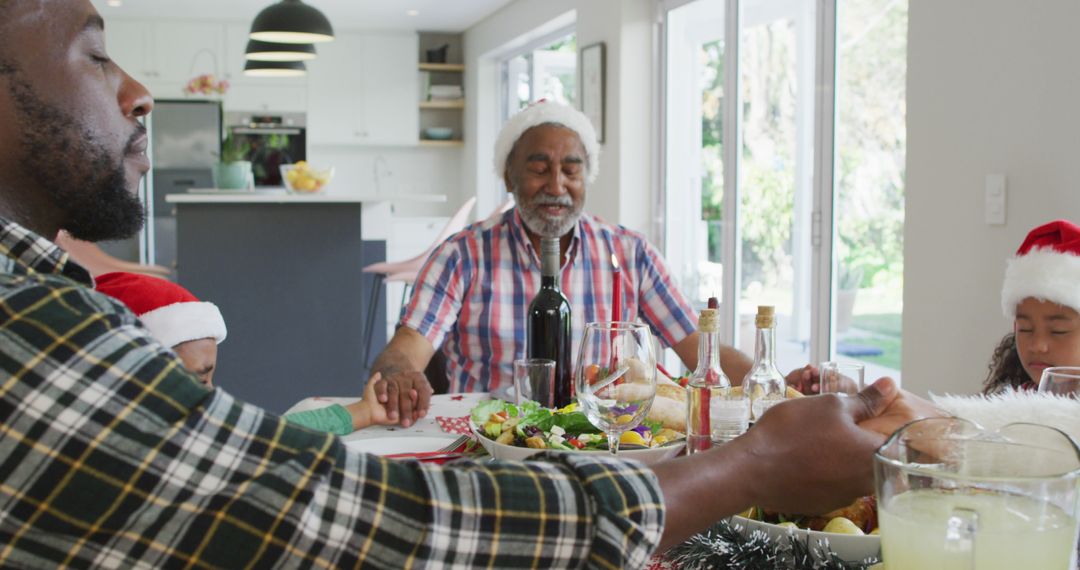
111	455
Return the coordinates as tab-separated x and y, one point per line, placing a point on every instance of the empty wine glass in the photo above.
616	377
1061	380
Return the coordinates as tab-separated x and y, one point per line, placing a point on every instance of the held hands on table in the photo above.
405	397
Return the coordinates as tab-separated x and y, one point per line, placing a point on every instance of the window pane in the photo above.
869	179
555	71
777	73
694	185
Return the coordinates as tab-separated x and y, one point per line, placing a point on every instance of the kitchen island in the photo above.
286	272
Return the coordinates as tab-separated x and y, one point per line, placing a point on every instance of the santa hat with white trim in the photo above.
171	313
548	112
1046	267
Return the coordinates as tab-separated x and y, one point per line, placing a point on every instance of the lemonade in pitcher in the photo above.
1012	532
954	496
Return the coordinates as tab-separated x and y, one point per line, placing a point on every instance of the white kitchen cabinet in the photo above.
165	56
362	91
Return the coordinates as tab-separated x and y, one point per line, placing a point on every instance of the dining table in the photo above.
445	424
427	435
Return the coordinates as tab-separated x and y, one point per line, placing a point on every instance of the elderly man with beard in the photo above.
472	295
113	455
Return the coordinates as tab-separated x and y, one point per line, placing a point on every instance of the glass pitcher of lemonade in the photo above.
954	497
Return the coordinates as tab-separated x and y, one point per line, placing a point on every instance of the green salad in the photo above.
532	425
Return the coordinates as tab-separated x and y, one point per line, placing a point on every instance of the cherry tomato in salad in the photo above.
592	373
576	443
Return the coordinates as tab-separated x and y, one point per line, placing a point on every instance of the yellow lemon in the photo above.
624	419
841	525
750	513
632	438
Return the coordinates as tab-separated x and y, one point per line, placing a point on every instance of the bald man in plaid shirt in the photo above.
112	455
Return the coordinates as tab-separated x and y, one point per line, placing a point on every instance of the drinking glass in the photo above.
615	377
534	379
952	496
1061	380
842	378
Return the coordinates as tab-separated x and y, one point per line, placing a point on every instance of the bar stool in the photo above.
406	271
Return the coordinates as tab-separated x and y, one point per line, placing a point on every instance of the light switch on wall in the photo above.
995	199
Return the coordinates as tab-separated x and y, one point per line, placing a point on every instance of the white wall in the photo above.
993	87
623	191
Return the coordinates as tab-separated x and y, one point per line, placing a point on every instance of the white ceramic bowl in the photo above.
849	547
515	453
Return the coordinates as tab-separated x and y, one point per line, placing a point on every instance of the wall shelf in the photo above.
437	104
442	144
443	67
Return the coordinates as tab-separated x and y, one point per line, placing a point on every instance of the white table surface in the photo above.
447	405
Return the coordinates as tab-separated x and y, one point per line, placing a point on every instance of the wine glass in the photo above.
1061	380
616	377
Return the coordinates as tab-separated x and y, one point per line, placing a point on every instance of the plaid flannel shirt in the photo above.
111	455
475	289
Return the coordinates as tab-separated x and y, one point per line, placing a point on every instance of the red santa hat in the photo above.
1046	267
171	313
549	112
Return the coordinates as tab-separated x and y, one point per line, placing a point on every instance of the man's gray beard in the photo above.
540	225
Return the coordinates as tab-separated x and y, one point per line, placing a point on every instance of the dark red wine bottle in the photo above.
549	333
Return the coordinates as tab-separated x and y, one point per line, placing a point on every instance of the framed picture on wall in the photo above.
592	86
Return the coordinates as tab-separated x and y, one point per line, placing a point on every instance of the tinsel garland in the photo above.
724	547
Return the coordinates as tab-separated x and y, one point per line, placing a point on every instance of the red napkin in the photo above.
438	457
459	426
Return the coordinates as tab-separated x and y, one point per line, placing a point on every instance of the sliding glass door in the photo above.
779	184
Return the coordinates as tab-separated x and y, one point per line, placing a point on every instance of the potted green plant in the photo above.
234	170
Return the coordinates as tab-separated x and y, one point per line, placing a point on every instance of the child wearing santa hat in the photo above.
193	329
173	315
1041	294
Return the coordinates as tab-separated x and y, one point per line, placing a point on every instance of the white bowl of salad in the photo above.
514	432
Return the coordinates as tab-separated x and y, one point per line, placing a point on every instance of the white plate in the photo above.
849	547
403	444
515	453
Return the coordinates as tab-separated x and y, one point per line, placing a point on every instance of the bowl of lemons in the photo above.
850	532
302	178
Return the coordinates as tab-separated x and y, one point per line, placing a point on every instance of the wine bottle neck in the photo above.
549	282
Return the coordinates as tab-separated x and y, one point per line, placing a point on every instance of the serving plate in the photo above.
404	444
514	453
849	547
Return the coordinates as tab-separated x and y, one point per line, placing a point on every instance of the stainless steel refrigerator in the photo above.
185	145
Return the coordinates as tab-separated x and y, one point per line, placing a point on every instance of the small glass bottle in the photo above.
764	385
706	385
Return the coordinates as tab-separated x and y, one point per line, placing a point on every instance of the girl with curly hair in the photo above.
1041	294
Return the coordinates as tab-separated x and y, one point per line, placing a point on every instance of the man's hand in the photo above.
809	456
406	396
907	407
806	379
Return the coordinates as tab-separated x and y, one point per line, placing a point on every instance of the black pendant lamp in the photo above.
268	51
291	22
274	68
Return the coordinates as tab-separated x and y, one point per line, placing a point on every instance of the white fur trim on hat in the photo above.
549	112
181	322
1045	274
1011	406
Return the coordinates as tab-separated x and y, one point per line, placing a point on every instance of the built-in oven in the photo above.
270	140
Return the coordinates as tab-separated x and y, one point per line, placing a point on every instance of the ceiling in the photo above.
433	15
